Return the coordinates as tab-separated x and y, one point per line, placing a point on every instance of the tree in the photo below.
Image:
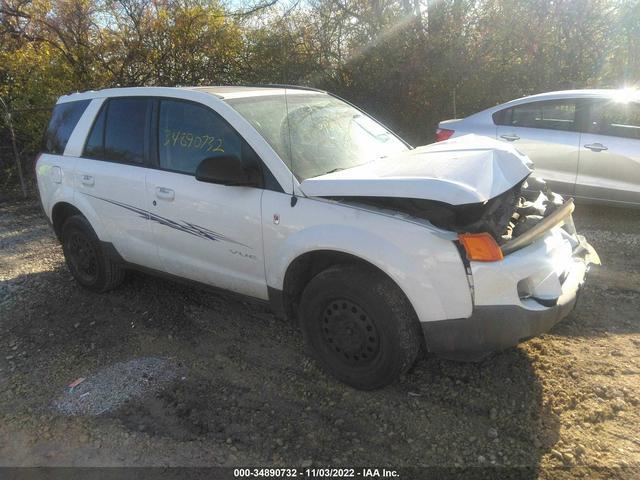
400	59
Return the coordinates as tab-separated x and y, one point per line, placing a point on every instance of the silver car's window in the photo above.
551	114
618	119
317	133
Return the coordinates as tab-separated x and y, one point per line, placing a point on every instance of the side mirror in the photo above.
224	170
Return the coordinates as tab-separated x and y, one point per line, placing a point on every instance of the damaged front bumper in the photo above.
522	296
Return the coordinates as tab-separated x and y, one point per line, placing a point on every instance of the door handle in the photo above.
165	193
596	147
88	180
510	138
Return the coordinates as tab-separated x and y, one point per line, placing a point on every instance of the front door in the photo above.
205	232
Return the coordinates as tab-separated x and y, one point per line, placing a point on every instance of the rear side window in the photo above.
551	115
64	119
119	133
189	133
617	119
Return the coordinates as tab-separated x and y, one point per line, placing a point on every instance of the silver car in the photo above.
584	143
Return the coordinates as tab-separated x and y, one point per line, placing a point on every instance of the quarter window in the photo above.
64	119
618	119
189	133
552	115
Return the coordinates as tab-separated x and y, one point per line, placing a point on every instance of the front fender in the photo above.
426	267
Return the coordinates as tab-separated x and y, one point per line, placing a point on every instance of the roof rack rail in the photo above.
280	85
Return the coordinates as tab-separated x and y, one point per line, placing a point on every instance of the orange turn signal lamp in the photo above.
480	247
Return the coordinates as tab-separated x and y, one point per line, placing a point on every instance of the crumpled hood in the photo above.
467	169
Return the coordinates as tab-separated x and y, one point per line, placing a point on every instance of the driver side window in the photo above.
188	133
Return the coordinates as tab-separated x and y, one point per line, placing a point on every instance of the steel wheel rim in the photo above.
349	332
83	256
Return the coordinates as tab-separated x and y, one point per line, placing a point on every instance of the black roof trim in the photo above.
279	85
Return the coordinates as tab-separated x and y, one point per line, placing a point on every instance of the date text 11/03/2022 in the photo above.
315	473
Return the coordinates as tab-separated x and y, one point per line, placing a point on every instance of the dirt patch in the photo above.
251	396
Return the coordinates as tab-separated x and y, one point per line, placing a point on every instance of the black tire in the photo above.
86	258
359	326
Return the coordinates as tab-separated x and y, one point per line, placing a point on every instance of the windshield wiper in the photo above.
334	170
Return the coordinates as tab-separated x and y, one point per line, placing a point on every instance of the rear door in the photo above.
205	232
610	153
547	132
110	176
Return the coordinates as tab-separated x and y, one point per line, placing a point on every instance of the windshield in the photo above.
316	133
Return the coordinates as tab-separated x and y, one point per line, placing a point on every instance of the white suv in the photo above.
295	197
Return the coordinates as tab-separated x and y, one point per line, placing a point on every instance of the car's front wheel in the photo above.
86	258
359	326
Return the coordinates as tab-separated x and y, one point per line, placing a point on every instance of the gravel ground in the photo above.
234	386
113	386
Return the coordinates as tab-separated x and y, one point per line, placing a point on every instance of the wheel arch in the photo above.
64	209
307	265
60	212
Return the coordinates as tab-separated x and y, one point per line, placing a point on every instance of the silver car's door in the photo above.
610	153
547	132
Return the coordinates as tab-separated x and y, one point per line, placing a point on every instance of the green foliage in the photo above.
402	60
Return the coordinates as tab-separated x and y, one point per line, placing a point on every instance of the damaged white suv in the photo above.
293	196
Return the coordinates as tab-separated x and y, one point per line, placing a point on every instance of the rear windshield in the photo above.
64	119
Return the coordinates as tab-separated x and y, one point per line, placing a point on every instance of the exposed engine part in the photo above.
536	202
506	216
525	223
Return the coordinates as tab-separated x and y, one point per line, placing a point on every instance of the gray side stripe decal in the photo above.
183	226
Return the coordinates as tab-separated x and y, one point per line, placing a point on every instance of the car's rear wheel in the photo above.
86	258
359	326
